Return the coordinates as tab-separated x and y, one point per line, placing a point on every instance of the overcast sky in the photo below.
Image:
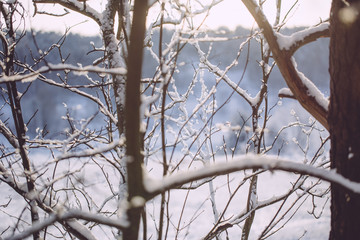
230	13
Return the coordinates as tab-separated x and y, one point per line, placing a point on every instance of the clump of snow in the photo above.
285	91
137	201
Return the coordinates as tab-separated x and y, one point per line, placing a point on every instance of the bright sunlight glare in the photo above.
227	13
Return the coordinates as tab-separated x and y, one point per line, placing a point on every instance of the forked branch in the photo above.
304	90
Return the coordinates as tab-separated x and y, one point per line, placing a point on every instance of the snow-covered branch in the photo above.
286	93
101	106
61	67
312	90
155	187
298	39
5	131
72	225
241	216
222	75
90	152
283	57
76	6
68	216
238	218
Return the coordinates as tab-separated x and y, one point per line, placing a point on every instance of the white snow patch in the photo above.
312	89
137	201
286	92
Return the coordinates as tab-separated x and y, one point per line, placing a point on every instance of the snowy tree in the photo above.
156	158
341	122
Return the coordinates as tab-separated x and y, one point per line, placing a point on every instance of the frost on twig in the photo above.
61	67
294	80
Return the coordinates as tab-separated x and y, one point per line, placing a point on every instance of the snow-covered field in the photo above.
197	217
191	211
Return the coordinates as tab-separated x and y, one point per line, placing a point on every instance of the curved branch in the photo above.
155	187
286	93
70	216
302	90
301	38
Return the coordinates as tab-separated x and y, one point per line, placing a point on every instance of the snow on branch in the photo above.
312	90
61	67
298	39
222	75
5	131
91	152
286	93
101	106
77	6
293	78
7	178
155	187
204	39
72	225
67	216
241	216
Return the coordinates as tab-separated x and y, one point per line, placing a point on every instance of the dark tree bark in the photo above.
344	116
132	120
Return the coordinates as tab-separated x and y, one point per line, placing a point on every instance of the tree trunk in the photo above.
134	161
344	116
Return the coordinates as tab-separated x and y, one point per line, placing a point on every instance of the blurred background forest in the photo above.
312	61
